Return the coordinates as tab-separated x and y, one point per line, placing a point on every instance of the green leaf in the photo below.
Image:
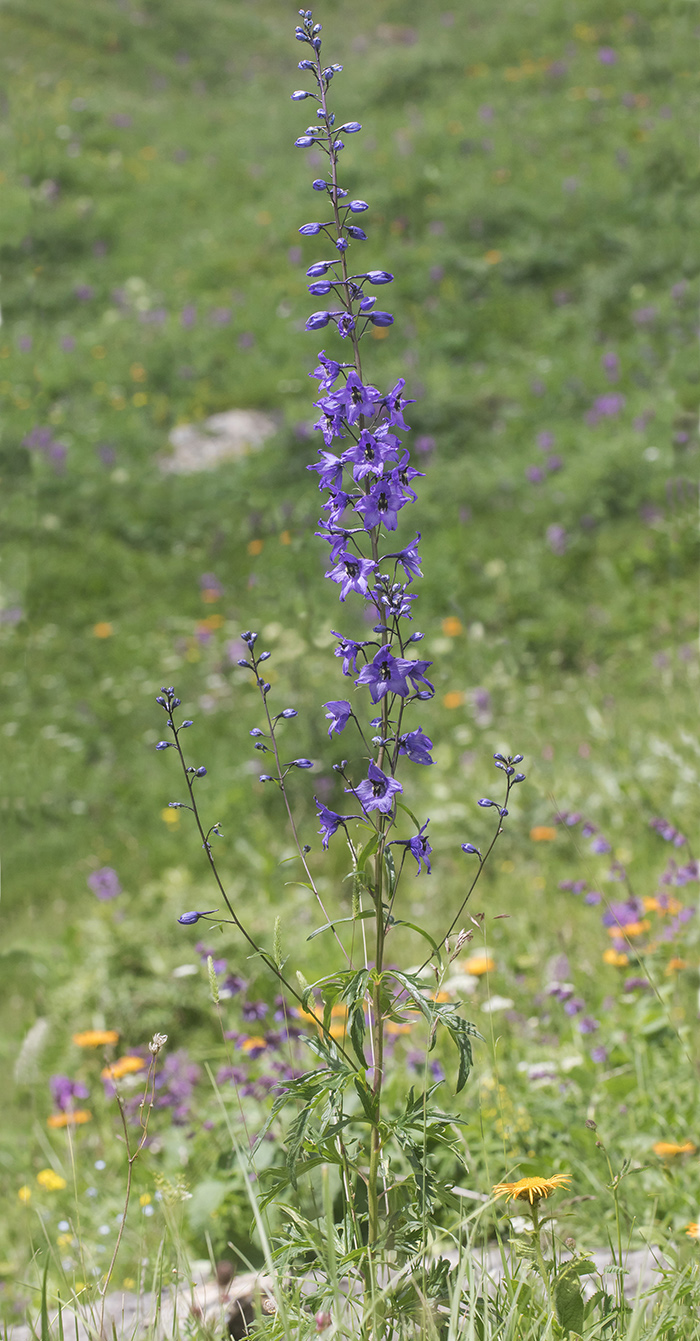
400	806
369	912
295	1138
569	1302
45	1329
368	851
390	870
399	922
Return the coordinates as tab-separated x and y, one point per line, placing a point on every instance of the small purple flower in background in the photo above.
557	539
25	343
105	883
486	113
574	1006
600	845
605	407
545	440
636	985
418	846
425	445
557	70
644	316
211	588
607	56
174	1084
188	316
84	292
679	291
593	897
534	474
246	340
554	463
538	387
611	365
587	1025
67	344
64	1091
667	832
106	454
599	1055
481	705
570	185
220	316
254	1010
121	120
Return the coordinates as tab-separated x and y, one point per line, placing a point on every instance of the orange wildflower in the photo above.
675	965
103	629
543	833
454	699
96	1038
124	1066
669	1149
692	1230
73	1119
629	929
452	626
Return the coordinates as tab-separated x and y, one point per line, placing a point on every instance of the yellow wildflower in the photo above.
478	965
50	1181
616	958
25	1194
531	1189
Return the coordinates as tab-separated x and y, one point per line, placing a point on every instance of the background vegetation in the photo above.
532	173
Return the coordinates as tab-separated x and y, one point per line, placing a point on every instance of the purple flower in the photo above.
611	365
64	1091
105	883
605	407
607	56
188	919
645	316
349	650
534	474
353	574
220	316
587	1025
599	1055
600	845
382	505
418	846
340	711
188	316
557	539
25	343
621	914
67	343
122	120
254	1010
387	674
545	440
377	792
636	985
409	558
416	746
574	1006
330	821
174	1084
84	292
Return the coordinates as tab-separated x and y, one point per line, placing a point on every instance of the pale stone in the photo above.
222	437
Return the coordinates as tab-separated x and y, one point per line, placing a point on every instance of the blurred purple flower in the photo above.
611	365
64	1091
554	463
545	440
636	985
570	184
25	343
574	1006
174	1084
607	56
644	316
188	315
557	539
534	474
106	454
587	1025
246	340
84	292
220	316
254	1010
67	343
121	120
605	407
679	291
600	845
599	1055
105	883
486	113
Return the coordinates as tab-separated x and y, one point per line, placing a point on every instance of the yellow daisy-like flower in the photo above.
531	1189
95	1038
669	1149
692	1230
73	1119
124	1066
52	1182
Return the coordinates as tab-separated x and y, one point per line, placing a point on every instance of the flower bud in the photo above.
299	94
357	206
301	763
358	233
470	850
200	772
318	268
378	277
317	320
319	184
381	318
349	128
310	229
320	287
304	142
164	745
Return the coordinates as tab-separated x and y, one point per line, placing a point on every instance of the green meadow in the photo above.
532	174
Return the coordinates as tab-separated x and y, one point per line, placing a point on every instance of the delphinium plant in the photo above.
385	1195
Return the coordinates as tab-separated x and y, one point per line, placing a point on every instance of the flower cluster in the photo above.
365	475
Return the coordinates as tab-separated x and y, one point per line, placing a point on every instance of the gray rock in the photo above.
222	437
